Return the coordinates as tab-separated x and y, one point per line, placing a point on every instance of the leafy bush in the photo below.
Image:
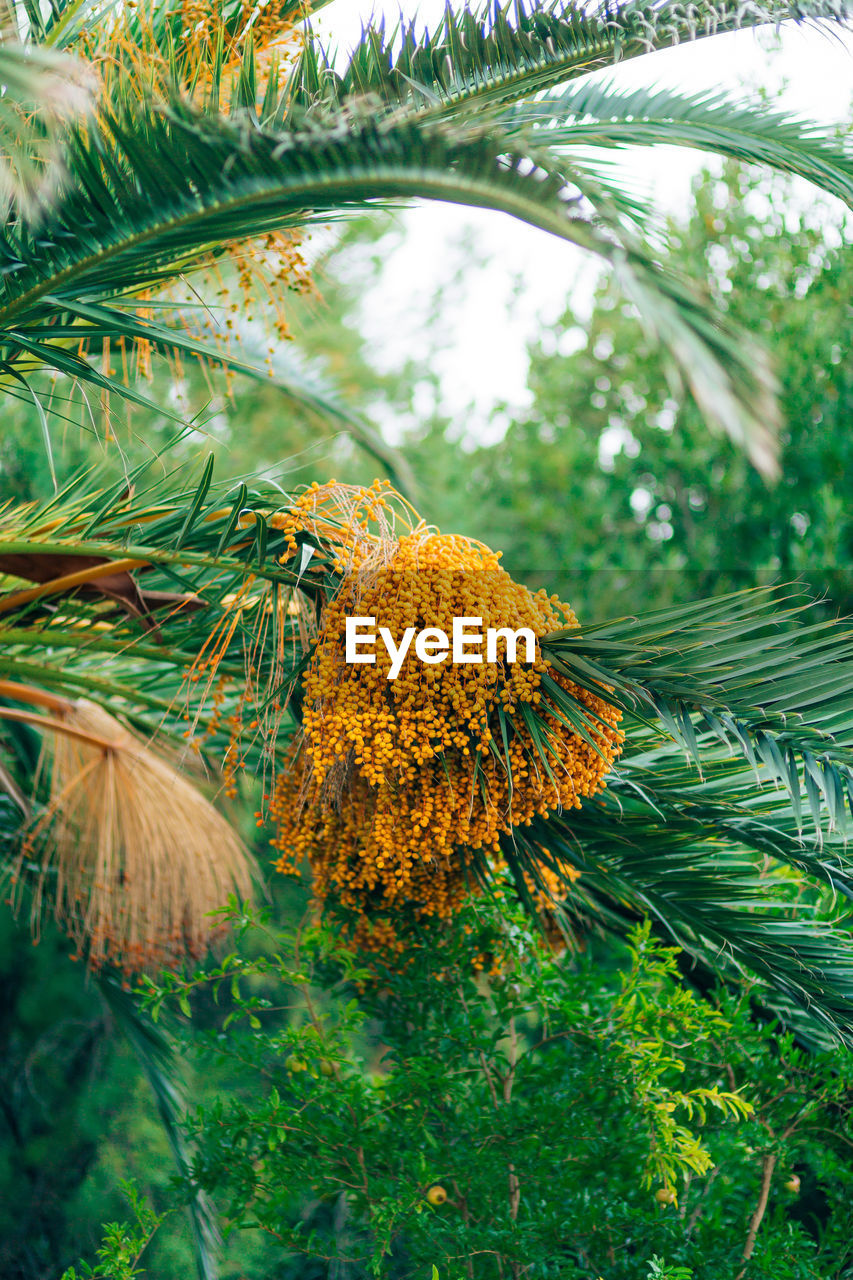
122	1246
524	1113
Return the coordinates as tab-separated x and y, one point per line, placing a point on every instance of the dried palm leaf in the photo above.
136	857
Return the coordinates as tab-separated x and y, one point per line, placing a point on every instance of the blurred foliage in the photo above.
74	1112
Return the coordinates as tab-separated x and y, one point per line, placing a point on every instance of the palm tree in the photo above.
213	131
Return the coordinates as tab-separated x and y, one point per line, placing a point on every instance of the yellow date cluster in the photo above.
399	786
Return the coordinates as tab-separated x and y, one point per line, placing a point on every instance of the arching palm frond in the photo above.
728	818
114	594
601	115
161	182
119	232
98	325
499	54
699	879
731	670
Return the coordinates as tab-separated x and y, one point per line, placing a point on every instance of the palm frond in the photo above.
736	670
601	115
288	371
212	181
745	807
146	577
207	182
504	53
156	187
707	897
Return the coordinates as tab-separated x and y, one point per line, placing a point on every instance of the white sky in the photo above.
527	276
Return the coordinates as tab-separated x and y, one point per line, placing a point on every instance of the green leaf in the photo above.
739	664
197	503
602	115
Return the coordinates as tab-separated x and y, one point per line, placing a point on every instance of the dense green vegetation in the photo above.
537	1082
555	1111
74	1128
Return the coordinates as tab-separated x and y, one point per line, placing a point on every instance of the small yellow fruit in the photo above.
326	1068
793	1184
665	1195
293	1063
436	1195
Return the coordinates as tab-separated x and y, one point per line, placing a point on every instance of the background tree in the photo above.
608	484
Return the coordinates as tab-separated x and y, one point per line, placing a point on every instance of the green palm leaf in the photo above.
734	669
501	54
218	181
740	805
175	186
154	188
601	115
288	371
703	888
740	745
187	537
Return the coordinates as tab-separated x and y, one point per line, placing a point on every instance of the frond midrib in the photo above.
388	181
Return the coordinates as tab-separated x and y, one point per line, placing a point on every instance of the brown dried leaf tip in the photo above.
132	856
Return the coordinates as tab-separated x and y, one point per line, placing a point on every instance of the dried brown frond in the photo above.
133	857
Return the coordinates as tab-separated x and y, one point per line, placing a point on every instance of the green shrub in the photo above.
581	1115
